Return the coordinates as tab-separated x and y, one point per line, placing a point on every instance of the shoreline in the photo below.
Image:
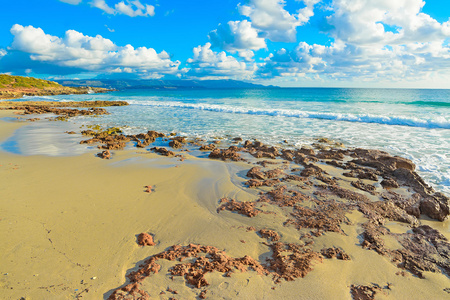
15	95
183	208
16	87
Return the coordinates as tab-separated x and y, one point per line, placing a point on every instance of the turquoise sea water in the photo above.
412	123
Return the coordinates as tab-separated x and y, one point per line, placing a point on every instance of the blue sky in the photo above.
351	43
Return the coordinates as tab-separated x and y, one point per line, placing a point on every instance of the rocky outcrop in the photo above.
244	208
162	151
269	235
291	261
334	252
177	142
259	150
203	260
226	154
209	147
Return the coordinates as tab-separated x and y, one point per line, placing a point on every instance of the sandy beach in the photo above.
258	149
70	226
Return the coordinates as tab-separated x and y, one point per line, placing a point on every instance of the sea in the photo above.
412	123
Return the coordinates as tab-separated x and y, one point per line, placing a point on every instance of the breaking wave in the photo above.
436	122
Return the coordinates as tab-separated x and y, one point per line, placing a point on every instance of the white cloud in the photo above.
295	63
3	52
209	64
89	53
304	14
131	8
374	42
236	36
342	61
247	55
140	9
74	2
101	4
109	29
271	18
384	22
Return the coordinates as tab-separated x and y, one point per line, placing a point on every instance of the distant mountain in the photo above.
121	84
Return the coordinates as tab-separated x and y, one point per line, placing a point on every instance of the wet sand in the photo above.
69	228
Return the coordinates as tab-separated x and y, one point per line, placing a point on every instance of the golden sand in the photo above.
68	227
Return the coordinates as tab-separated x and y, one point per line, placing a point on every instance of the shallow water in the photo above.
412	123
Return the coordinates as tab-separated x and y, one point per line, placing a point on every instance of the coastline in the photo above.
95	209
15	87
13	94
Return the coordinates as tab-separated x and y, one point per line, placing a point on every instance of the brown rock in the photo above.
269	235
377	159
209	147
307	151
436	206
362	292
145	239
104	154
244	208
154	134
361	173
324	217
288	155
335	253
148	188
281	197
389	183
331	154
311	170
175	144
273	173
364	187
412	179
224	154
287	266
162	151
130	291
257	183
256	173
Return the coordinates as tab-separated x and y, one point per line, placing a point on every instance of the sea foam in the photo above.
436	122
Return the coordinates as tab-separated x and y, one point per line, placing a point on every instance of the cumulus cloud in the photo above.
341	61
247	55
272	19
236	36
386	40
89	53
384	22
218	65
131	8
2	53
296	63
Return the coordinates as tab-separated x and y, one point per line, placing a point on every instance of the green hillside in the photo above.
8	81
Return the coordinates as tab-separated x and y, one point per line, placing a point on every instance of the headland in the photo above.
14	87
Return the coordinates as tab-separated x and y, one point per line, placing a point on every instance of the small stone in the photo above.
145	239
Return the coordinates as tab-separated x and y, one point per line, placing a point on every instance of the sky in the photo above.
291	43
